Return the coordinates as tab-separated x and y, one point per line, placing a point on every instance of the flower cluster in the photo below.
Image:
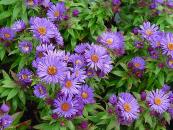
5	119
127	108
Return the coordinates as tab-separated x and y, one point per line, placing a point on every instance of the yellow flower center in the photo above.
26	48
137	65
170	46
127	107
109	41
7	35
94	58
77	73
84	95
24	76
41	90
52	70
42	30
56	14
65	106
170	62
30	2
68	84
149	32
158	44
157	101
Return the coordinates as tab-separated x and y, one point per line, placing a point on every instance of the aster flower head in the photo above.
158	101
86	94
143	96
112	40
156	40
31	3
46	3
80	48
70	85
25	47
148	30
59	39
19	25
4	108
43	29
7	33
138	63
116	2
170	62
51	69
77	60
127	108
167	44
113	99
5	121
56	12
65	107
166	88
97	58
40	91
154	54
25	76
75	12
79	74
170	110
139	44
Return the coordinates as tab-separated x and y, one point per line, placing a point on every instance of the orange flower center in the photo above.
84	95
65	106
149	32
158	44
77	73
170	46
94	58
40	54
68	84
42	30
52	70
137	65
171	62
157	101
109	41
30	2
127	107
24	76
89	73
56	14
40	90
78	62
7	35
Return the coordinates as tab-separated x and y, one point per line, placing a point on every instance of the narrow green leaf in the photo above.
12	93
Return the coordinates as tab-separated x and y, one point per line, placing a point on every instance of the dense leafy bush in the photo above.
88	64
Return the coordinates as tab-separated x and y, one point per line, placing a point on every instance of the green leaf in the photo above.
167	117
70	125
148	119
16	11
111	125
7	2
16	117
5	14
21	96
12	93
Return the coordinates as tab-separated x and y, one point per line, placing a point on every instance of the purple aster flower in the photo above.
170	110
19	26
169	3
171	97
153	5
43	29
65	107
170	62
97	58
84	125
166	88
4	108
25	47
50	69
5	121
40	91
7	33
56	12
138	63
139	44
113	99
77	60
25	76
79	74
90	73
70	85
116	2
112	40
143	96
46	3
75	12
155	41
154	54
167	44
32	2
86	94
160	1
158	101
80	49
148	30
127	108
